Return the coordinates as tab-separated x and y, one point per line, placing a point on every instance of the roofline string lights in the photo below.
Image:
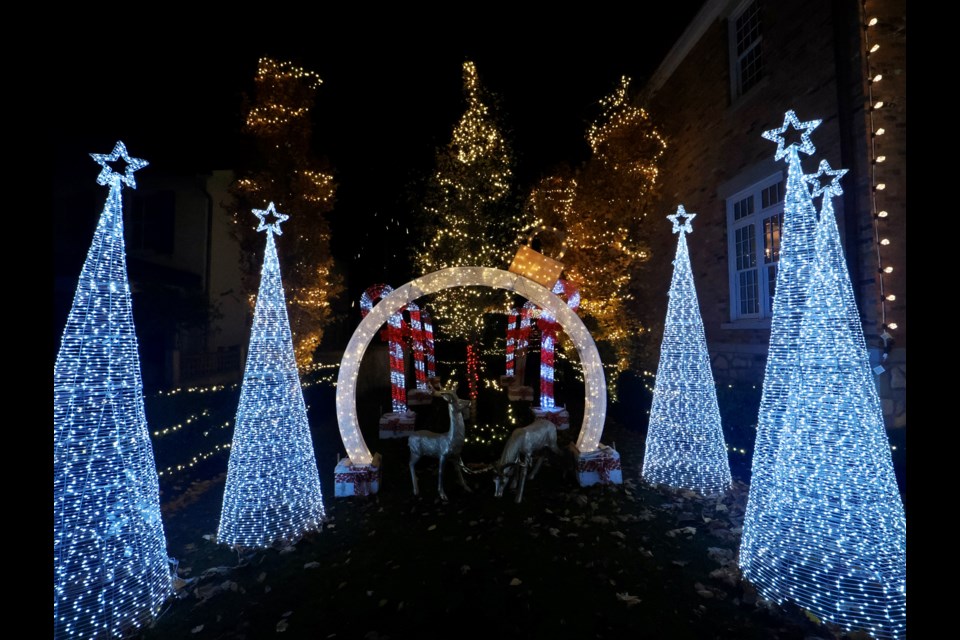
877	186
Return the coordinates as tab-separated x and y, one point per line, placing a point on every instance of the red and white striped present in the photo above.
598	467
356	479
557	415
397	425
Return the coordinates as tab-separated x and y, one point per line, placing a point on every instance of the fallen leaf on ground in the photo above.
197	629
619	534
312	565
282	626
431	527
515	582
629	599
464	569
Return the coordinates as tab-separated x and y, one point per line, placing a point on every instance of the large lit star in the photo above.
108	176
684	224
272	226
790	120
822	186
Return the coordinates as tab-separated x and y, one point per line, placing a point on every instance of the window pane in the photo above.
743	208
771	238
771	286
746	247
750	68
749	297
772	195
748	27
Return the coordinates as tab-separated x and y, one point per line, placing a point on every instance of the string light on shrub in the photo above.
272	493
685	447
111	571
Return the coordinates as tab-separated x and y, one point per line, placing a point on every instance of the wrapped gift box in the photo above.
419	397
598	467
557	415
356	479
397	425
519	392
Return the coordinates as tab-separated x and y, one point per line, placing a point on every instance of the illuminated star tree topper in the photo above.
273	491
837	539
111	572
685	447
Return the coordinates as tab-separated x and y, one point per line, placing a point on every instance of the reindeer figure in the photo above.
519	450
440	445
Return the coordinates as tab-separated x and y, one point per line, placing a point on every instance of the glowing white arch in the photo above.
595	407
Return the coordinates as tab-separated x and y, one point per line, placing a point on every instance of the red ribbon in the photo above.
556	418
602	465
361	480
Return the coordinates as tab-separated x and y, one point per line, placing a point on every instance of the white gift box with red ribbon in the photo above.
397	425
598	467
356	479
557	415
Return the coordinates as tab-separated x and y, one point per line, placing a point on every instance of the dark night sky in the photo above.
391	94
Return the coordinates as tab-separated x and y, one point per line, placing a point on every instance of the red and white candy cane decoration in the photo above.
428	346
393	335
511	338
417	345
528	311
548	339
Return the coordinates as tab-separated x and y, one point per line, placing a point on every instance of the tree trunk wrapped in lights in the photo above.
111	572
685	447
470	216
273	491
834	540
601	209
279	121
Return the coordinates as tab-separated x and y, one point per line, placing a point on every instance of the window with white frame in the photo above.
754	221
746	55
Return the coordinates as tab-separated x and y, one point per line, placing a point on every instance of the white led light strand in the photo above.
273	492
794	271
685	447
110	566
837	538
595	406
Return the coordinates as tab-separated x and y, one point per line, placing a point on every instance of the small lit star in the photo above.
272	226
790	120
108	176
822	186
684	224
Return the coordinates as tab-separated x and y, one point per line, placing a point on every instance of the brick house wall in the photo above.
815	62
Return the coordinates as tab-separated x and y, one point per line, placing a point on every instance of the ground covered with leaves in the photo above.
568	562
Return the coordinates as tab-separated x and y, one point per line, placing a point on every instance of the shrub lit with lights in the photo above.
685	447
111	572
272	493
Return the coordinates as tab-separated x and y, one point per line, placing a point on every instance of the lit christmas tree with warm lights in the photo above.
470	217
273	492
834	536
794	272
279	122
111	572
601	212
685	447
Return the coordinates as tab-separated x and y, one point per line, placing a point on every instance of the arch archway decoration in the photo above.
595	406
